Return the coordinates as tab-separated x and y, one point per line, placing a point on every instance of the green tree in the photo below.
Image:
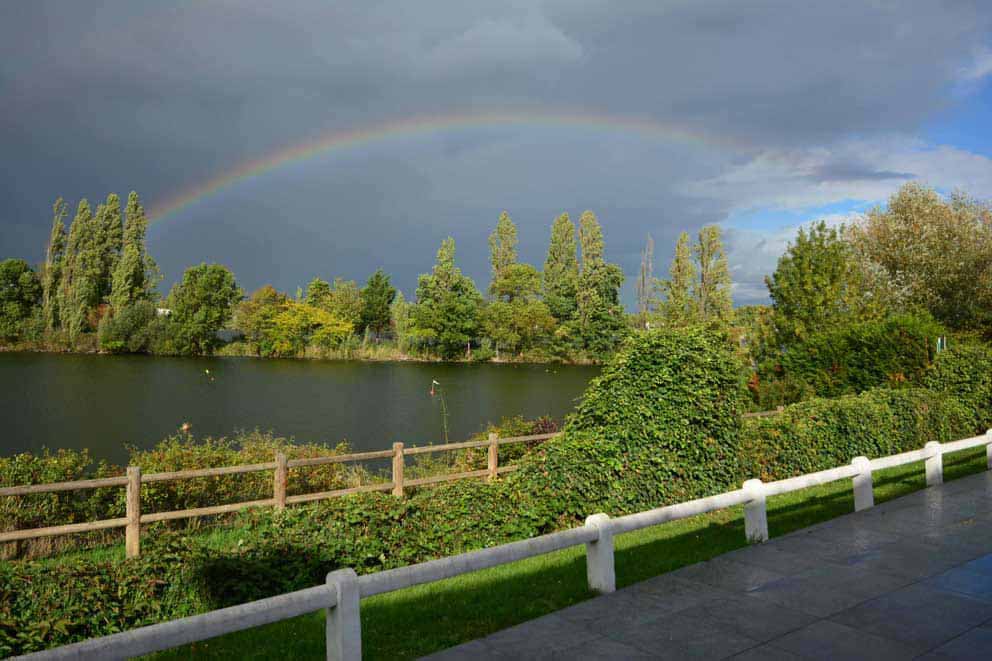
298	326
448	304
600	320
502	251
110	239
561	270
20	293
200	306
342	299
817	285
377	296
679	308
83	263
254	318
939	250
52	274
644	287
712	291
135	274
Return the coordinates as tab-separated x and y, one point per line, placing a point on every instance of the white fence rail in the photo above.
341	594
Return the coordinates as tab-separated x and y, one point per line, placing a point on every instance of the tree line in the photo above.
96	290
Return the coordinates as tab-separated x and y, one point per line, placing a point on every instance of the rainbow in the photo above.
414	126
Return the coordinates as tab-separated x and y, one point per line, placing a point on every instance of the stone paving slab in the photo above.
910	578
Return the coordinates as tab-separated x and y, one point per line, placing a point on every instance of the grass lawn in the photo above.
424	619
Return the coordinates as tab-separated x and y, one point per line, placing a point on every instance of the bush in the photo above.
127	329
893	352
178	452
658	426
965	371
824	433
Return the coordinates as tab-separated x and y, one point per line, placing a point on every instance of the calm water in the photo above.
105	402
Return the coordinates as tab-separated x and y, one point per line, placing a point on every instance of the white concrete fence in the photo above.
342	593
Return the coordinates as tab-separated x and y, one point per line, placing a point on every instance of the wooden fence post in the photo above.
493	456
343	626
397	469
132	535
279	482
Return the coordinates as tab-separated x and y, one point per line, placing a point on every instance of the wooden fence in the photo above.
133	479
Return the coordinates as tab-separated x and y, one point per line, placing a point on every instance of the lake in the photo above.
105	402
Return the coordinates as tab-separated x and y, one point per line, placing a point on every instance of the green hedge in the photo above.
965	371
658	426
824	433
894	352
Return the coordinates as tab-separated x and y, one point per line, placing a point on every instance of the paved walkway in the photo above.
911	578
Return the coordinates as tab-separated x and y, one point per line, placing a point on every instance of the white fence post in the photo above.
600	568
864	496
755	512
988	449
344	622
934	463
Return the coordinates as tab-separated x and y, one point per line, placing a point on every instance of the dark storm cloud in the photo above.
157	97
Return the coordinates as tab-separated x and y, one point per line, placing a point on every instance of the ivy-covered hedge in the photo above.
824	433
658	426
894	352
965	371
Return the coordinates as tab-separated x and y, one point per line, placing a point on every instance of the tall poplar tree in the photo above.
679	307
502	251
712	292
110	239
645	281
134	273
52	276
561	270
80	282
600	317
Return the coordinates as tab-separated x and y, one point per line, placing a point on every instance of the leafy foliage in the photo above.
20	292
447	312
894	352
824	433
201	305
964	371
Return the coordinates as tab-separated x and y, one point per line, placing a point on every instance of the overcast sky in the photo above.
796	112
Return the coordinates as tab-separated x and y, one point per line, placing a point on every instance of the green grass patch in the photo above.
420	620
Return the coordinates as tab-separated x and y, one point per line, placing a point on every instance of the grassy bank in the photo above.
424	619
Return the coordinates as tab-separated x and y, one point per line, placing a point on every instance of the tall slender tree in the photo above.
713	288
645	281
80	282
600	317
502	251
110	239
52	276
561	270
678	307
134	275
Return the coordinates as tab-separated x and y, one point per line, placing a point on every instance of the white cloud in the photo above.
979	68
865	169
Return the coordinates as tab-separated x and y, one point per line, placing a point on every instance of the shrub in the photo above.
893	352
658	426
824	433
965	371
127	330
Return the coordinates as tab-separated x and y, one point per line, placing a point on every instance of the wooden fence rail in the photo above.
133	479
